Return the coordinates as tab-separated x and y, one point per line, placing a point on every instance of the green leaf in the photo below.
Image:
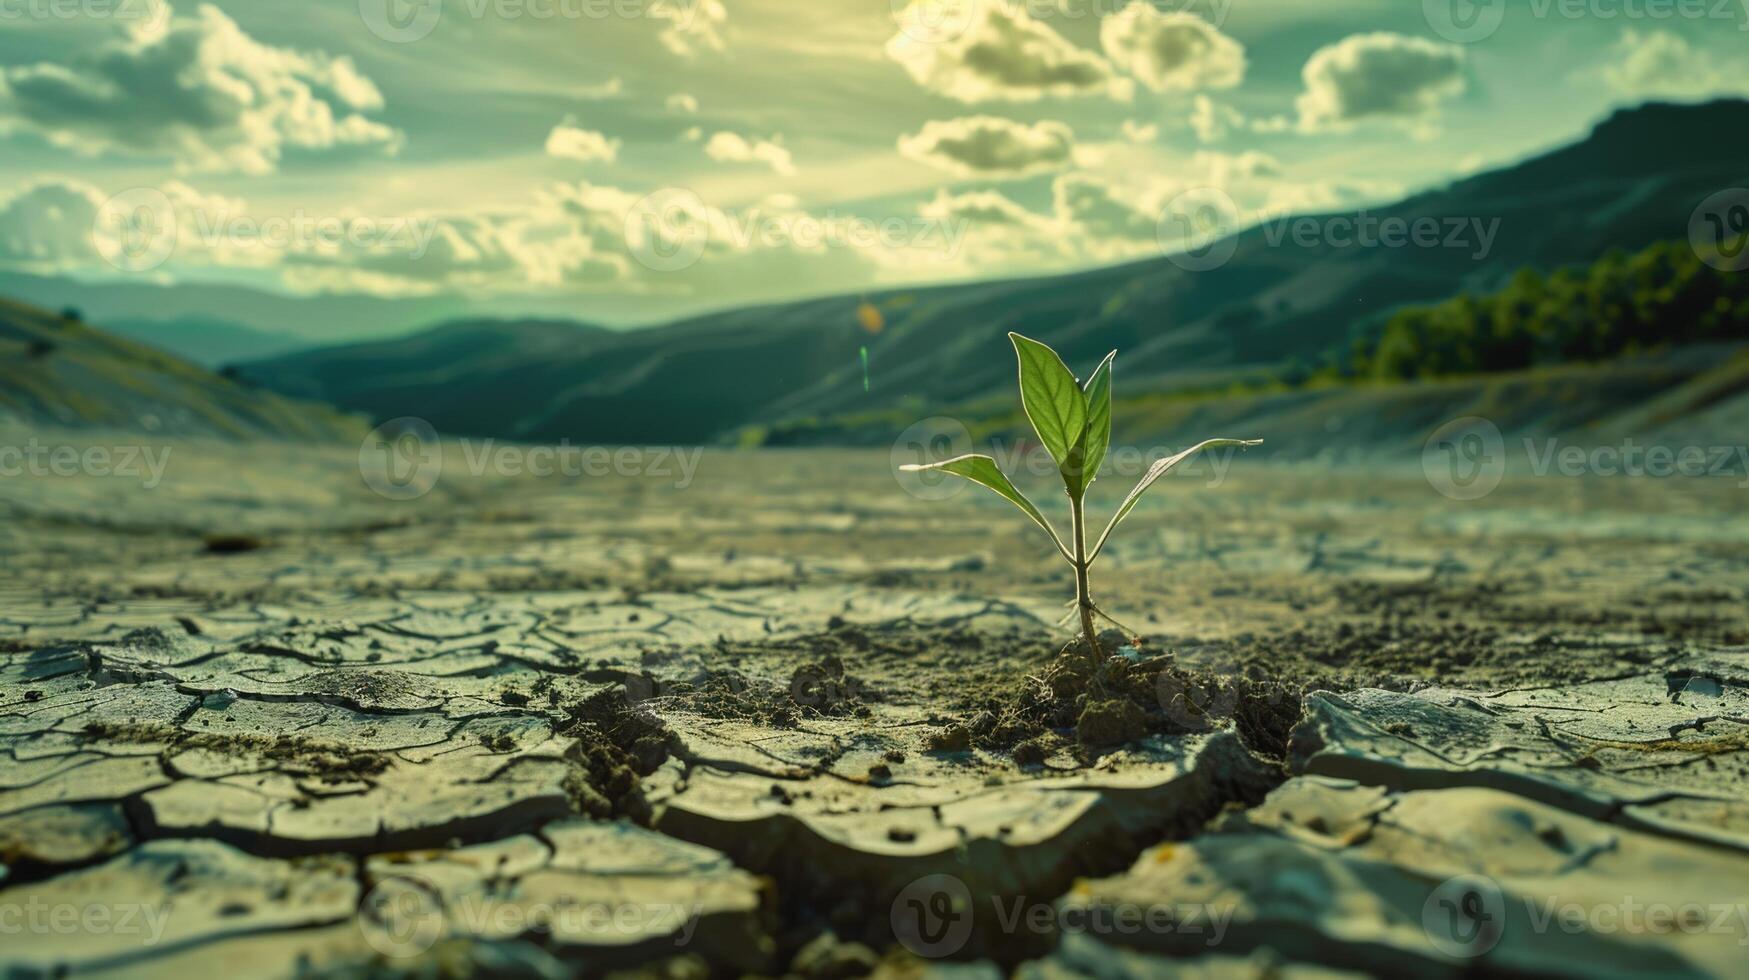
1096	437
1155	472
983	470
1051	396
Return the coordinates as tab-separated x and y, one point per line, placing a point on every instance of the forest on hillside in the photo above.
1620	305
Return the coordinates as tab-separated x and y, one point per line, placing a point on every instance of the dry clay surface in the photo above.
259	721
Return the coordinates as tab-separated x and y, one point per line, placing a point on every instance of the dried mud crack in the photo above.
778	733
817	768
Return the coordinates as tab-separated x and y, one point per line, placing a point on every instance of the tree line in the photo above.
1620	305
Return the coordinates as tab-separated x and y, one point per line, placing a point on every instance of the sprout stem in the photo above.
1083	597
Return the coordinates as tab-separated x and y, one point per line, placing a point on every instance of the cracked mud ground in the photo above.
258	721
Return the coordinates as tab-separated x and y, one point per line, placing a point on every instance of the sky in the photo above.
627	161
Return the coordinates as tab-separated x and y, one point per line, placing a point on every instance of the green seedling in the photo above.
1073	423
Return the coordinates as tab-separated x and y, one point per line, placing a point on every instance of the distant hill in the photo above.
471	377
61	372
207	341
1276	303
322	318
1687	397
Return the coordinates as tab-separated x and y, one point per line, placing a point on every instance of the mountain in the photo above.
471	377
61	372
207	341
323	318
327	317
1280	300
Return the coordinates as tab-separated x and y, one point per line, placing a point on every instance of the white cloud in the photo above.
1211	120
735	148
1171	52
454	253
1002	53
1230	169
1101	210
569	239
1279	123
63	226
997	234
1379	76
1127	210
47	227
199	91
1137	132
989	146
569	141
984	208
1659	63
755	248
613	88
576	238
683	103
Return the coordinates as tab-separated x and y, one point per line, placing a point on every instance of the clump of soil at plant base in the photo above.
1126	693
617	745
1171	685
1018	690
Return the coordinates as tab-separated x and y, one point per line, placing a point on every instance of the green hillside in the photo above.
1620	305
56	370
